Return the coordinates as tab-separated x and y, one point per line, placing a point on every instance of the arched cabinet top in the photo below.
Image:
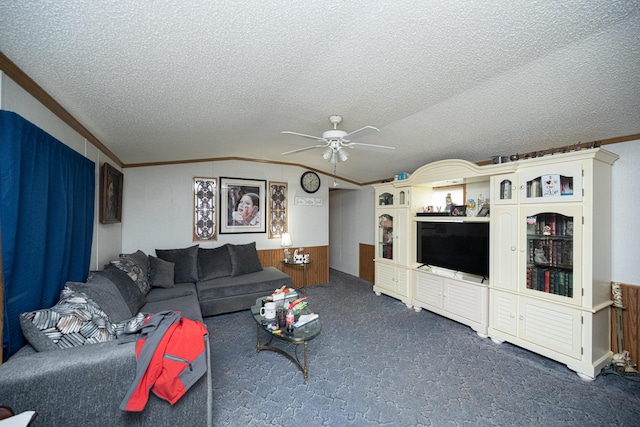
453	169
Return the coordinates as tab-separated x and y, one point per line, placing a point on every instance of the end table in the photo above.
298	264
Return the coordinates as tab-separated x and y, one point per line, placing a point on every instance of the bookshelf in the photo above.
550	259
549	280
550	253
392	242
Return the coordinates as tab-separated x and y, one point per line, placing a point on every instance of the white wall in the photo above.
158	205
351	218
106	238
625	213
351	214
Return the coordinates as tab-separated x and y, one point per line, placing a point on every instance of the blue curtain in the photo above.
47	193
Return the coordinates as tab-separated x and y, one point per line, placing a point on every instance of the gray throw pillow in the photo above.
74	321
161	273
127	287
213	263
105	293
186	263
244	259
136	265
34	336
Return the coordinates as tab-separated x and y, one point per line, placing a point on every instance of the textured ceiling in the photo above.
178	80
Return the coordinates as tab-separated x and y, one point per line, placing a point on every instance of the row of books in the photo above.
386	251
558	225
558	253
550	186
551	281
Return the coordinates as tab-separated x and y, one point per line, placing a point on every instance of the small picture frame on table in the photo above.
459	210
484	211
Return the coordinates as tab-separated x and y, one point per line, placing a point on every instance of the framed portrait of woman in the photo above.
242	205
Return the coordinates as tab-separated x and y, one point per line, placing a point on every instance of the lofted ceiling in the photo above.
161	81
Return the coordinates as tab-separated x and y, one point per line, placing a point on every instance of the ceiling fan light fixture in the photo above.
334	140
334	157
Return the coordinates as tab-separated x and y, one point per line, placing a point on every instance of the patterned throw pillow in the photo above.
138	271
74	321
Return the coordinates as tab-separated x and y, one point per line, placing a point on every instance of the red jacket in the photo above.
171	357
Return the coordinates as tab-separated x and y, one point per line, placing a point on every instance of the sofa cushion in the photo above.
74	321
188	306
177	291
213	263
136	265
161	273
244	259
127	287
227	294
266	281
186	263
105	293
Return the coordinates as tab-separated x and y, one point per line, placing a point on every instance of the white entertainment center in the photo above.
548	288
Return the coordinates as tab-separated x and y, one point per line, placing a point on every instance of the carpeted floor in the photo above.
378	363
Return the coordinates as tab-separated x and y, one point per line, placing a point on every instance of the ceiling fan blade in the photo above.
371	147
365	131
304	149
317	138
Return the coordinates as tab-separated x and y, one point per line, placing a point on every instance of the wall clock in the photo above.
310	182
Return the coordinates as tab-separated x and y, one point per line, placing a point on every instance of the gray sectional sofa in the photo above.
85	384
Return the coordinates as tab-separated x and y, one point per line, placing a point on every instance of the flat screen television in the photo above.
458	246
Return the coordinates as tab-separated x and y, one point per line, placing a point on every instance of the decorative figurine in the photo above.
539	257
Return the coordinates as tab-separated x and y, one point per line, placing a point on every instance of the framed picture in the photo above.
110	194
484	211
205	224
242	205
277	215
459	210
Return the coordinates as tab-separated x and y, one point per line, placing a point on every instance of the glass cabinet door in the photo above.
385	199
385	236
552	252
403	196
550	185
505	189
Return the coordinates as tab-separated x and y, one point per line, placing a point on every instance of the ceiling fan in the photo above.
334	140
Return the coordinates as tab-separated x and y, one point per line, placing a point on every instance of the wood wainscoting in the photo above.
630	323
317	270
367	267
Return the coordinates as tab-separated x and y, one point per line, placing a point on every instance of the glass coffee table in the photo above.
300	335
